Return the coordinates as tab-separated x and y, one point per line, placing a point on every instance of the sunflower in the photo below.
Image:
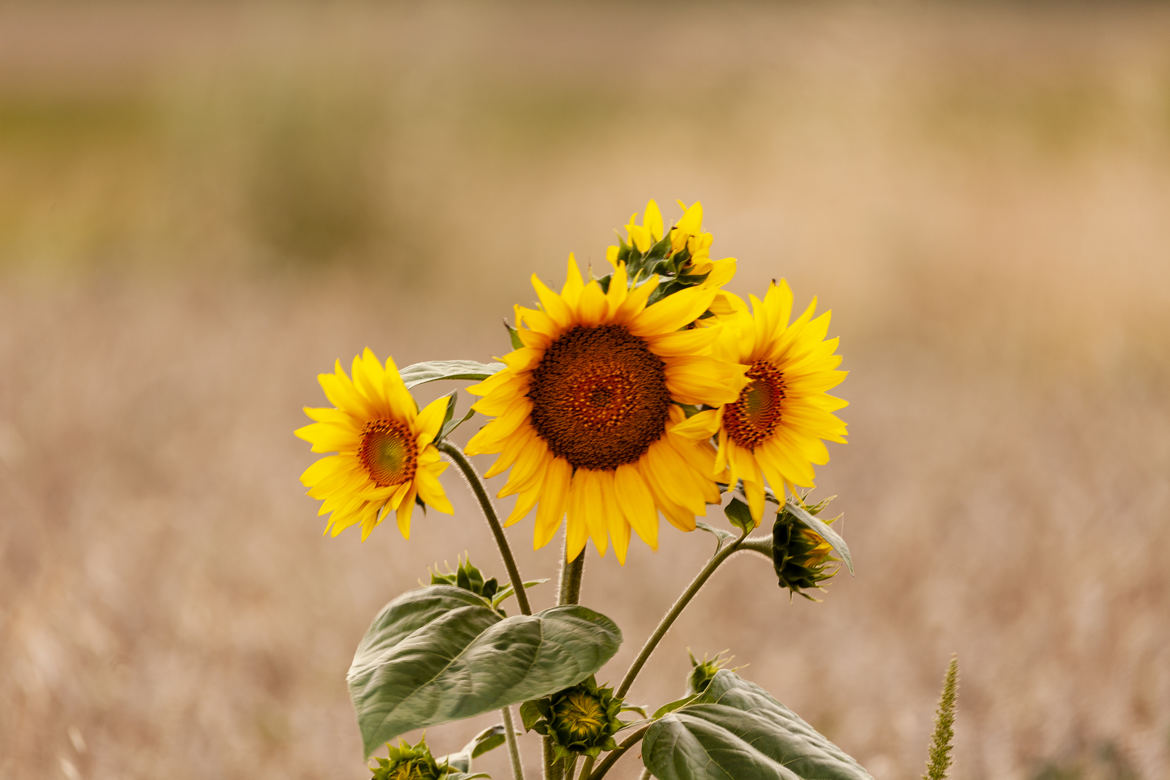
775	430
683	257
686	239
385	456
586	410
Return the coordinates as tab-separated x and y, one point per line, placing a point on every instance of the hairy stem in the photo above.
513	748
721	554
568	592
614	755
489	512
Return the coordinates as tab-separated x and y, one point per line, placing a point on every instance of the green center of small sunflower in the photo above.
388	452
580	715
599	397
756	413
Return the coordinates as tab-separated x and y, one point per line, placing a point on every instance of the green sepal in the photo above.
821	528
442	653
740	515
736	729
469	578
513	336
530	716
451	424
435	370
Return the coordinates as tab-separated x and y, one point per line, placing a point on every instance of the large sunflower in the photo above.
586	410
385	457
775	430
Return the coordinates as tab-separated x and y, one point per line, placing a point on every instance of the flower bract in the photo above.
384	458
586	410
774	431
580	721
801	557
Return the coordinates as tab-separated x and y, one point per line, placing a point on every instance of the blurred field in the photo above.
202	207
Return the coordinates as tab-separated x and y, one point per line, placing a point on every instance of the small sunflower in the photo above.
683	257
775	430
385	456
586	410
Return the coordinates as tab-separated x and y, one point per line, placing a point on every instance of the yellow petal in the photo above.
672	312
653	220
571	292
554	497
576	524
637	503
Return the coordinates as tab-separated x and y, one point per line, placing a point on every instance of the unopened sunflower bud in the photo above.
801	558
580	720
703	671
407	762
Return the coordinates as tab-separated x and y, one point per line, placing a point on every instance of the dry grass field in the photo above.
202	206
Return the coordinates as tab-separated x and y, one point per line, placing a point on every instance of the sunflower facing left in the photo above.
385	458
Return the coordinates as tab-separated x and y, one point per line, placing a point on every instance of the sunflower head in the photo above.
681	257
585	410
581	720
773	433
383	459
801	557
409	762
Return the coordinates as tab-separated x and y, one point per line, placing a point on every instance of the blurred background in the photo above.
202	206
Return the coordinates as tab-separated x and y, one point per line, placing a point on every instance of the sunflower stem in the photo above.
552	767
513	748
614	755
722	553
489	512
569	590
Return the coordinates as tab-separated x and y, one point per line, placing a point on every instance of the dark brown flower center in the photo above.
756	413
599	397
388	451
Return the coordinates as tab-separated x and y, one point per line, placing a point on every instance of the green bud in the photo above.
801	557
407	762
581	720
703	671
467	577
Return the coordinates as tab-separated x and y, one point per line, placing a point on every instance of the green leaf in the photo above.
723	536
735	729
441	653
670	707
823	529
507	590
740	516
434	370
486	740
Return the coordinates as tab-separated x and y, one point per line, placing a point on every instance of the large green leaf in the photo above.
434	370
442	653
734	729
